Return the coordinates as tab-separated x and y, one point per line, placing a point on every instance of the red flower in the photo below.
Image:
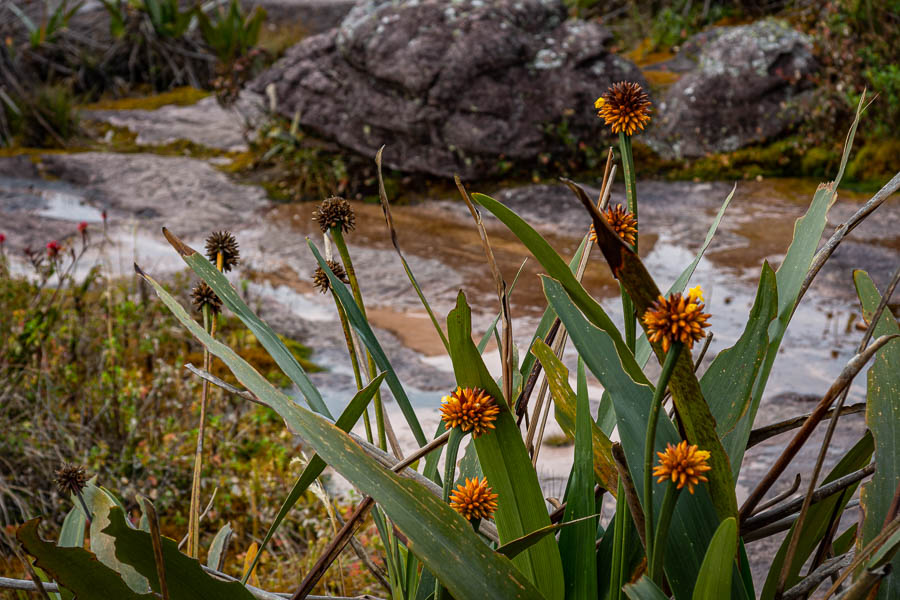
53	249
82	227
2	239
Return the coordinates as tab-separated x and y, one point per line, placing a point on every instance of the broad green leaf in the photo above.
361	325
694	415
316	465
789	278
604	467
506	464
434	530
694	521
76	569
215	559
577	544
728	383
818	518
883	419
266	336
714	581
185	578
644	589
71	535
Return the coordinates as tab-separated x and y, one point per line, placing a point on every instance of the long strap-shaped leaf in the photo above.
506	464
268	338
699	424
316	465
361	325
434	530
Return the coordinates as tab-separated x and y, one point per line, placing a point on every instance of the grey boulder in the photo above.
748	84
456	87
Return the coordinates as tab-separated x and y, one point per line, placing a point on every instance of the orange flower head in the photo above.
471	409
474	500
625	107
622	221
682	464
677	319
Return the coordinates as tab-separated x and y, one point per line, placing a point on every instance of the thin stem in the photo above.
631	198
618	552
662	532
456	434
338	237
354	361
649	442
193	546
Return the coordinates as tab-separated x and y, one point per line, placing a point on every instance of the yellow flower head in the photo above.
474	500
682	464
624	107
696	294
676	319
622	221
470	409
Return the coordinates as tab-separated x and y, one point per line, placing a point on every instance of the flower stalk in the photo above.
650	439
657	560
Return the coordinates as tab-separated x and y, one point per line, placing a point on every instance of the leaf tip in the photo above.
183	249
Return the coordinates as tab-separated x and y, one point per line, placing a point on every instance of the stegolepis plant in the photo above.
480	527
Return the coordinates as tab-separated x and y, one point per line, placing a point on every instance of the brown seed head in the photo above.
682	464
474	500
677	319
203	295
70	479
335	212
470	409
224	242
622	221
320	279
624	107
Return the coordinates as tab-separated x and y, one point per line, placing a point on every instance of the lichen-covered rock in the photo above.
450	87
749	85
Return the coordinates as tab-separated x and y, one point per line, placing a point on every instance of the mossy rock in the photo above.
182	96
874	161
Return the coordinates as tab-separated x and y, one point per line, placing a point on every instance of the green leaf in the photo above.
361	325
714	581
603	465
577	544
694	522
883	419
506	464
818	518
75	568
185	577
434	530
71	535
644	589
316	465
283	357
516	547
215	559
728	383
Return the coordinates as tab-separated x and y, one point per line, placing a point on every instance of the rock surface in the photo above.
450	88
749	85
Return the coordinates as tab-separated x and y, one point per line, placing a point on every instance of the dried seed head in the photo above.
474	500
470	409
224	242
70	479
682	464
624	107
203	295
320	278
677	319
335	212
622	221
